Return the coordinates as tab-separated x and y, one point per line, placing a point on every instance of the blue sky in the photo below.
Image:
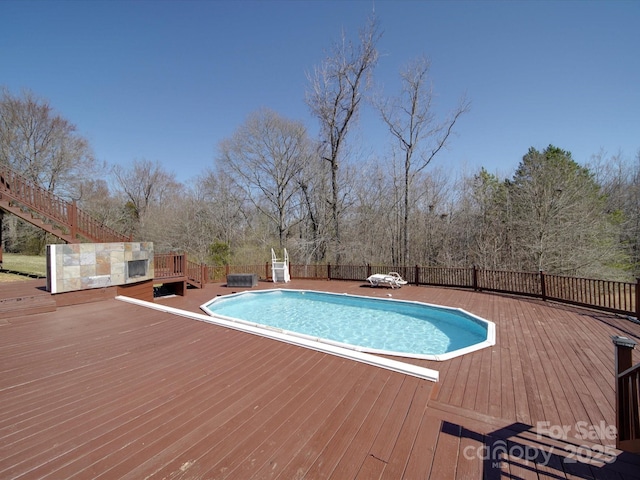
167	81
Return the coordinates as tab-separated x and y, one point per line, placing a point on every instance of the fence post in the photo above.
266	270
623	361
328	271
204	274
475	278
637	298
368	270
624	347
1	217
73	219
543	286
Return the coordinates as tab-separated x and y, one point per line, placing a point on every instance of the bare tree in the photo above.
369	234
488	212
222	207
620	181
432	219
335	94
265	157
46	149
41	145
95	197
420	136
632	206
142	184
312	236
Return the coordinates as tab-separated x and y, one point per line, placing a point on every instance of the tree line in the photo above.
272	185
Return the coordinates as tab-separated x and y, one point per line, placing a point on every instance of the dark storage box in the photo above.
242	280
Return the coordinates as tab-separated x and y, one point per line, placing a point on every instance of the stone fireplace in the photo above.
83	266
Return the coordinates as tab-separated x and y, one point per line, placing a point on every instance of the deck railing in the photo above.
611	296
627	396
522	283
169	265
196	273
616	297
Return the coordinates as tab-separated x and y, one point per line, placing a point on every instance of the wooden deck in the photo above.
114	390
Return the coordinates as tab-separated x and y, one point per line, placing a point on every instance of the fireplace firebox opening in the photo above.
136	268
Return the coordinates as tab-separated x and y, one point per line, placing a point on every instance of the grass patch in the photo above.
27	264
12	277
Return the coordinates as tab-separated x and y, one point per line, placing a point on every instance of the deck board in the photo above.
480	401
447	451
362	443
345	435
248	411
463	387
341	418
396	465
419	464
113	390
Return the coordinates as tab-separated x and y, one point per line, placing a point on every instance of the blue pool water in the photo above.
367	324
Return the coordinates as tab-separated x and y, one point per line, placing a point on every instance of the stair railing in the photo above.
36	199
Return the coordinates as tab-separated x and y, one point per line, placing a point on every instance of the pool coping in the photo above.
362	357
489	342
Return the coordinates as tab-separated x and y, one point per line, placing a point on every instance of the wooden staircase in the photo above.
39	207
47	211
23	212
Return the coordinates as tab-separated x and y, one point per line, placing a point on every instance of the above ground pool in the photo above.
372	325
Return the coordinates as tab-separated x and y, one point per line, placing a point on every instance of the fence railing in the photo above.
522	283
611	296
617	297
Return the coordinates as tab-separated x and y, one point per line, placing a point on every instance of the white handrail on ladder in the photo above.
287	277
280	269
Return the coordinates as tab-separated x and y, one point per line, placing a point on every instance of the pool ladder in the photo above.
280	268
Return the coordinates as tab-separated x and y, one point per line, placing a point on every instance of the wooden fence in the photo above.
611	296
